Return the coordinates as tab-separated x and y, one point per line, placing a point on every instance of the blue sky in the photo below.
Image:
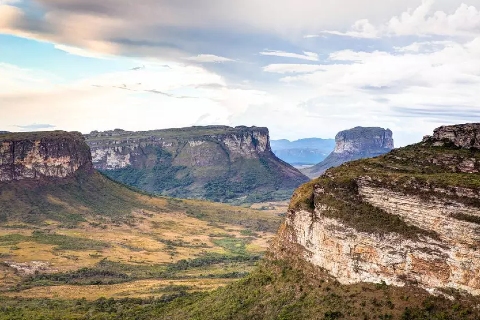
302	68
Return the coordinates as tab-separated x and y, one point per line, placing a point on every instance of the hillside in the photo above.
216	163
69	232
354	144
304	151
392	237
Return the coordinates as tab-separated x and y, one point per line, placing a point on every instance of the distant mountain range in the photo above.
217	163
308	151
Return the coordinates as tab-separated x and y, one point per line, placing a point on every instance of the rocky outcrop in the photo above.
35	156
463	136
354	144
215	162
410	217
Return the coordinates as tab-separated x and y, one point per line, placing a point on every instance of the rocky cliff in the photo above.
26	156
354	144
410	217
216	162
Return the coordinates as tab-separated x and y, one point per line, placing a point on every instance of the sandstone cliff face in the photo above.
58	154
409	217
463	136
216	162
354	144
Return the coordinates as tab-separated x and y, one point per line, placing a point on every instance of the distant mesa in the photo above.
402	218
42	155
354	144
217	163
303	152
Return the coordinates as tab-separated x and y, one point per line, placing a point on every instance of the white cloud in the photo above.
360	29
292	68
209	58
423	21
310	56
81	52
155	96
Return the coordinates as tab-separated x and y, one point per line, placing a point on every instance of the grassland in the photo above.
277	289
90	237
420	170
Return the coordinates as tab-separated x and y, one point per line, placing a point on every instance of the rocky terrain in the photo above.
304	151
68	232
216	163
41	155
411	216
354	144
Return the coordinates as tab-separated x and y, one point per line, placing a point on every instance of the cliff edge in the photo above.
410	217
215	162
40	155
354	144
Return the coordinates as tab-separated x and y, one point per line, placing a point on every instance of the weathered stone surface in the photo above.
421	187
44	154
464	136
354	144
238	160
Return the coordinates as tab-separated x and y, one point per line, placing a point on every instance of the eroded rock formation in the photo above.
411	216
40	155
354	144
216	162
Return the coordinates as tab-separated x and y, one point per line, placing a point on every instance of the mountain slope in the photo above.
371	239
216	163
69	232
354	144
304	151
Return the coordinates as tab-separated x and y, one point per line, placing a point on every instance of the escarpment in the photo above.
409	217
27	156
216	163
354	144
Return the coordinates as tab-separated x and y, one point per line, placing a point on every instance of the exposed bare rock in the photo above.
354	144
463	136
215	162
40	155
411	216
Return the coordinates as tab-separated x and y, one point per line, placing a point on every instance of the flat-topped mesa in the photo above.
354	144
465	136
363	140
118	148
39	155
409	217
218	163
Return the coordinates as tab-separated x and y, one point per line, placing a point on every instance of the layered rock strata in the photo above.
354	144
409	217
216	162
57	154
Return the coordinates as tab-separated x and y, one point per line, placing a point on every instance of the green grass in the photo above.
61	242
227	177
276	290
108	272
417	170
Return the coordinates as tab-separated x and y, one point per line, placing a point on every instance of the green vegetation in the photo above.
418	170
161	177
67	200
196	163
61	242
39	135
175	133
276	290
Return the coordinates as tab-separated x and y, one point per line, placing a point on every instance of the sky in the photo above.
301	68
